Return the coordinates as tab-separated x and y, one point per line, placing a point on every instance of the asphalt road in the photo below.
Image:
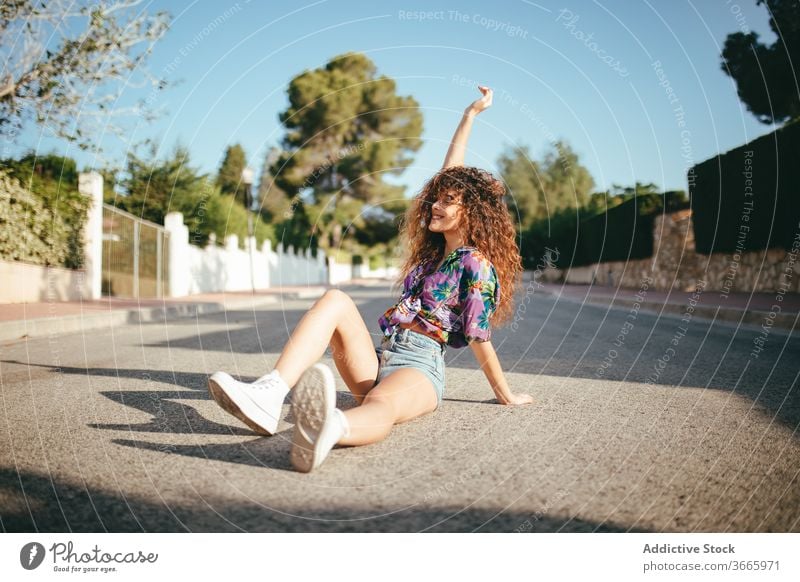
656	429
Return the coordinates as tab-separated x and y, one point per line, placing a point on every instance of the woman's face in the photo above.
446	213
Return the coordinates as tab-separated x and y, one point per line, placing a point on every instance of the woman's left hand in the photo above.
519	399
483	103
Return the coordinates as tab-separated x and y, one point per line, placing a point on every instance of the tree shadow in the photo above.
47	504
169	416
259	331
190	380
559	338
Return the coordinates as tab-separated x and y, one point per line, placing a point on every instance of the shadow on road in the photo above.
43	503
558	338
553	338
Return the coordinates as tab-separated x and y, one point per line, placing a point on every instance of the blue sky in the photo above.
635	87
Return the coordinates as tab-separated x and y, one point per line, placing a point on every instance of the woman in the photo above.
460	273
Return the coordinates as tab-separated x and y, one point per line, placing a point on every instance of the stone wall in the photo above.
676	265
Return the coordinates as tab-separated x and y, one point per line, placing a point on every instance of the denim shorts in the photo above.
407	348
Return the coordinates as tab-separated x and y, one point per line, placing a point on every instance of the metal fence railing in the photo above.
135	256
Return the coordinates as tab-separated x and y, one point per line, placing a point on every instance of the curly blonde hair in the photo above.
486	224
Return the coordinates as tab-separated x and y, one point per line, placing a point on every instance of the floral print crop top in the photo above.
454	303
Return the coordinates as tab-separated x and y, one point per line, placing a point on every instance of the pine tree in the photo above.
346	129
765	75
229	178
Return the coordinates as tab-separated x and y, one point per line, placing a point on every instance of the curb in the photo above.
23	329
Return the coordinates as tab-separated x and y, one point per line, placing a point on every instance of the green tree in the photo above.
346	128
152	188
652	199
568	183
765	75
381	222
110	177
36	170
273	202
523	177
65	64
539	188
229	177
638	189
223	215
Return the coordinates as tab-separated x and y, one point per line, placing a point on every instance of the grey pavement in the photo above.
741	309
669	426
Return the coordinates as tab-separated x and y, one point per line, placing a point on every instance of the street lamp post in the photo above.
247	180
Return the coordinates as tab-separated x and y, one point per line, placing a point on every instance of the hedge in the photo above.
748	198
584	237
34	232
623	233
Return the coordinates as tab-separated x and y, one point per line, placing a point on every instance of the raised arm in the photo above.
490	364
455	154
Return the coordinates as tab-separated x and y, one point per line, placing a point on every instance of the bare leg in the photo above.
333	319
401	396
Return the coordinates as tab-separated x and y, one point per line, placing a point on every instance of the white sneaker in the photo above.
258	405
317	427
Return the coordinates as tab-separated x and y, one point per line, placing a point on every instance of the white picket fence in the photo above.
215	268
194	269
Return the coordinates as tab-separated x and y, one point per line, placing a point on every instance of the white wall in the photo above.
363	271
338	272
295	267
215	269
91	185
24	283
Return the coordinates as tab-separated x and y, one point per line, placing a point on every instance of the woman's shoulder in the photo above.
474	257
471	250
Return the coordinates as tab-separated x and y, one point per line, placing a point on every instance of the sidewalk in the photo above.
735	308
24	320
